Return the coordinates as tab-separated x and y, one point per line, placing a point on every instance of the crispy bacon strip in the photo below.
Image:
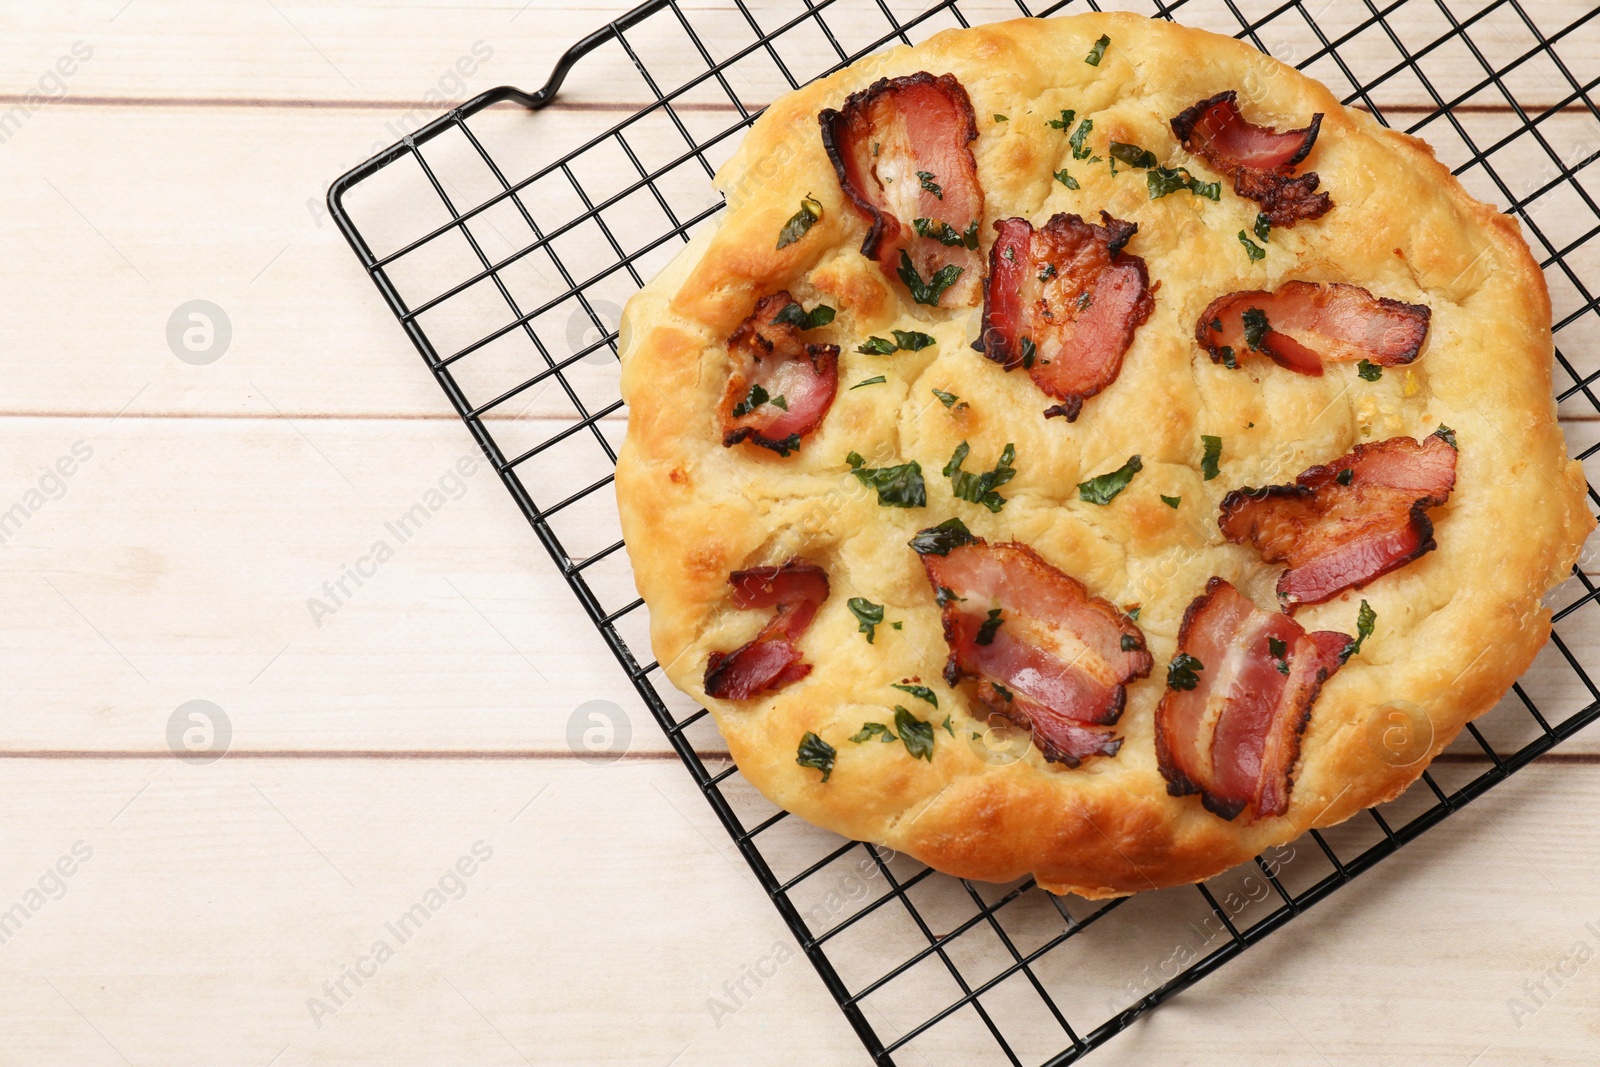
1234	736
1341	525
1259	159
771	661
1063	302
902	152
1047	655
1307	325
793	381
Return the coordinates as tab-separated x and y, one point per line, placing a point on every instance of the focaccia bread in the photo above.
1241	407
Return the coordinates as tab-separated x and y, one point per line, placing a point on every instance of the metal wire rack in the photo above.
919	962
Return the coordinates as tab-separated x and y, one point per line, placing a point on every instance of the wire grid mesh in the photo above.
958	972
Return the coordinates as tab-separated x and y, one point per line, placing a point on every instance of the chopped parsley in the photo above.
1255	327
947	399
1171	501
1229	360
1278	648
1263	226
1001	118
795	315
1099	50
1182	672
1064	123
1030	351
817	753
1005	693
1133	612
939	540
876	346
1251	249
869	730
1066	179
1164	180
868	614
1212	453
927	292
947	234
801	221
1103	488
980	488
1366	619
1079	135
917	734
1131	643
1048	272
929	185
754	399
1369	371
911	340
949	729
1132	155
898	487
989	627
921	692
875	380
945	595
1344	477
1447	435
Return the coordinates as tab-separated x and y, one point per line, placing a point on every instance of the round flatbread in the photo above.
951	782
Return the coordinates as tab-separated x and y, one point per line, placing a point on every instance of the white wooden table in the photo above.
215	913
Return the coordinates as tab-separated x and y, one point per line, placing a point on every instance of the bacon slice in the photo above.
902	151
1234	736
1063	302
1308	324
1047	655
772	361
771	661
1339	530
1259	159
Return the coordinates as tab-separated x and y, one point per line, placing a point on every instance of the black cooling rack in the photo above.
924	966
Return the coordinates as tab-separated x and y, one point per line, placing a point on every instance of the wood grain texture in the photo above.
179	559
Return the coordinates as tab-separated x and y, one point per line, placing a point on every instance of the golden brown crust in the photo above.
1454	629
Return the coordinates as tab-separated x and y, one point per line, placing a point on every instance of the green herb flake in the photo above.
929	185
1005	694
947	399
912	341
1278	648
1099	50
943	232
1066	179
1163	180
944	595
1103	488
1251	249
948	728
1366	620
921	692
876	346
868	614
898	487
1229	360
1171	501
1133	155
1182	672
1030	351
917	734
877	380
869	730
1001	118
816	753
801	221
990	627
1447	435
1079	136
795	315
1063	123
1255	327
1263	226
1133	612
1345	476
1131	643
938	541
1369	371
927	292
754	399
980	488
1212	453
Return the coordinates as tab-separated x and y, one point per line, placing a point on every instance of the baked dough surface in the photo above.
1454	629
